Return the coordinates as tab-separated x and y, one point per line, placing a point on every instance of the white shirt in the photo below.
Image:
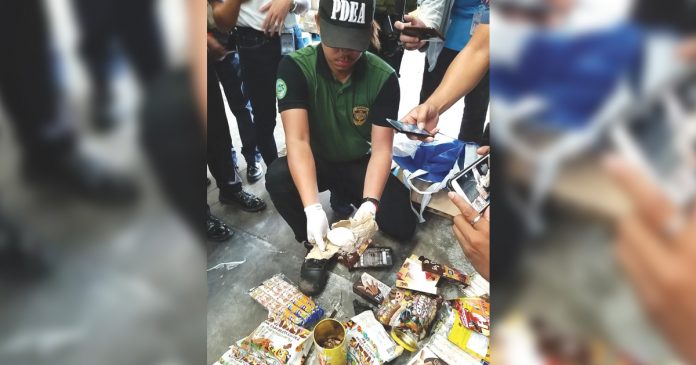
251	17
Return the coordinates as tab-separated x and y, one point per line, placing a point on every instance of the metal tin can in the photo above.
330	341
404	339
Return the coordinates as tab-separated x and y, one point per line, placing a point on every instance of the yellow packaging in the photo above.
474	343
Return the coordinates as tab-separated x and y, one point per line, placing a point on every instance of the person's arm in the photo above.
380	162
225	13
386	105
462	75
277	10
474	239
656	247
293	103
197	57
300	157
465	72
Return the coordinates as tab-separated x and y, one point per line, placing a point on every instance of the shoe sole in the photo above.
243	207
251	179
222	239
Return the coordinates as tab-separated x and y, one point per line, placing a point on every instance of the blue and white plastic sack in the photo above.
432	162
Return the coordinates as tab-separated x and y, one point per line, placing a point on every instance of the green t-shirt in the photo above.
340	115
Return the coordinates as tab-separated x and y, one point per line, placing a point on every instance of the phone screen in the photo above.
408	128
658	141
474	184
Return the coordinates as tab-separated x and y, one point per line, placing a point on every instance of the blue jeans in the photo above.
229	74
259	56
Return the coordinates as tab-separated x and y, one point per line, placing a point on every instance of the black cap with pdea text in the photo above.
346	23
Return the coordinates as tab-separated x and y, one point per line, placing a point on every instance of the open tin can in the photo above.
330	341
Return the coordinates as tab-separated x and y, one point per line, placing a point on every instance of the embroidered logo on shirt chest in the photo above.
360	115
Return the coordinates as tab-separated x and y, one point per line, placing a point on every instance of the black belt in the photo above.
250	37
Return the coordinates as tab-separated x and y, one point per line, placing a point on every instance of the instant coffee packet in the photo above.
410	316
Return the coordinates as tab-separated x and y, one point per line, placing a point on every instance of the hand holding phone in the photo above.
407	128
474	184
422	33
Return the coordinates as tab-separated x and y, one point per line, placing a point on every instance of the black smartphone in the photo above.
408	128
422	33
375	257
474	183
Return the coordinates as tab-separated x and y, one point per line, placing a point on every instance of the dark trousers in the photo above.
229	73
394	216
130	24
475	102
390	50
28	85
220	151
259	57
172	139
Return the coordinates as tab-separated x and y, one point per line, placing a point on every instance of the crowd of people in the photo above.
334	98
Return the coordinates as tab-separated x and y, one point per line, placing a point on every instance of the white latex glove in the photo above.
365	209
317	225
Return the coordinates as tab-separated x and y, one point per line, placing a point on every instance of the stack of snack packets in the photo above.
278	342
285	301
368	341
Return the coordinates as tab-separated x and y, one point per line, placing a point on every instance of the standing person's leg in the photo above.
259	67
96	22
432	79
394	216
28	85
220	151
228	73
475	109
138	31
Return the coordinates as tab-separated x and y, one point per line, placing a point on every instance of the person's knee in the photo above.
278	177
397	219
401	226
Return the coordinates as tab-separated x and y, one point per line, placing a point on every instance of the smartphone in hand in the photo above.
407	128
474	183
422	33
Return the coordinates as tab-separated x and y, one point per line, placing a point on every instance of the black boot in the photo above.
247	201
218	231
313	274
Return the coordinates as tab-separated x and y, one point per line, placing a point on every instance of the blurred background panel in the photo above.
101	175
573	81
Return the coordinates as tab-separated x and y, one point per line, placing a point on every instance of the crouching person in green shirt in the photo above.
333	99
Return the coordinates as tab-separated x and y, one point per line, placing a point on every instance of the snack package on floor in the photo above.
238	356
478	286
466	323
349	259
440	351
371	289
410	316
368	341
280	342
411	276
285	301
445	271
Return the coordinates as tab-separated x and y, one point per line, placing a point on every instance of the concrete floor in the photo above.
267	244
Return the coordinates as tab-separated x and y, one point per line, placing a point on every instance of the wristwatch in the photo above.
371	200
